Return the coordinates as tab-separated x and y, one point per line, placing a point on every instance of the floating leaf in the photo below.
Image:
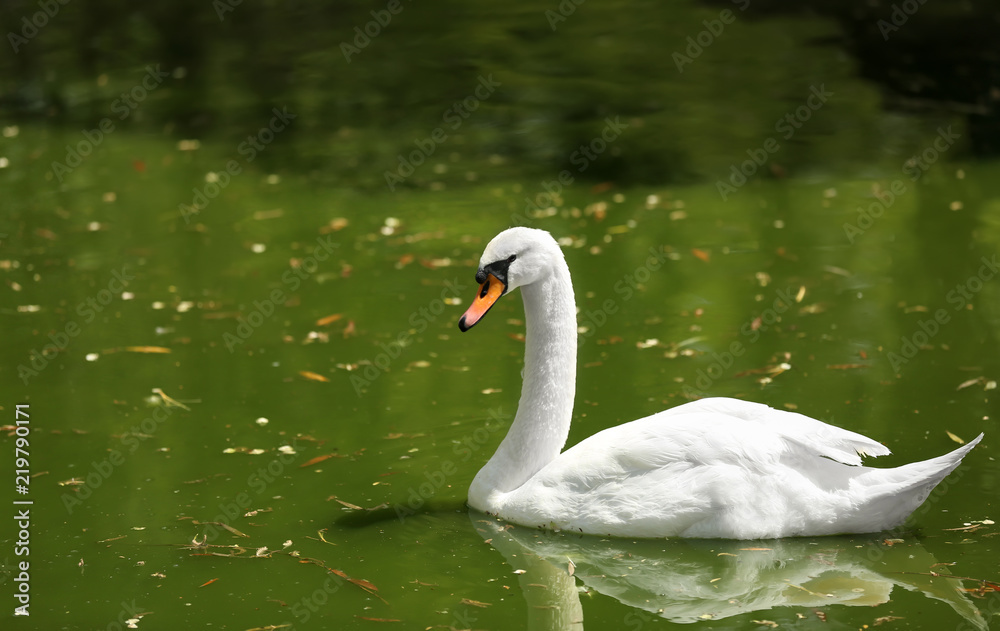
170	402
701	255
882	619
338	223
319	459
208	582
256	451
313	376
275	213
220	524
404	260
363	584
954	438
330	319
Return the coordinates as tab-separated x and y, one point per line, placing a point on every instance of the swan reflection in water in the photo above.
686	580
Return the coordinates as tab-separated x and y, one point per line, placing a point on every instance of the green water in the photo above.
321	415
411	423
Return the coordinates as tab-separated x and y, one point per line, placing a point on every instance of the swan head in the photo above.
514	258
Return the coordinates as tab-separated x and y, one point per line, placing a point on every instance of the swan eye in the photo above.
511	258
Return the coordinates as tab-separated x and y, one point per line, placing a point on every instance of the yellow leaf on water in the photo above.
954	438
319	459
330	319
701	255
312	375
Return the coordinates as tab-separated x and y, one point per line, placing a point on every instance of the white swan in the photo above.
711	468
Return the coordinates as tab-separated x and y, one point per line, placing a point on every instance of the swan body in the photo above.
717	467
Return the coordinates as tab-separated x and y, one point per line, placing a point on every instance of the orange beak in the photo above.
489	292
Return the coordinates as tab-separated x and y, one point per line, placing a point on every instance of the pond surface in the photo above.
270	322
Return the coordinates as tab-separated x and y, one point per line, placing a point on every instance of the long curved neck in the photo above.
545	410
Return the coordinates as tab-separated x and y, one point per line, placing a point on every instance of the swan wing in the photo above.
712	431
815	436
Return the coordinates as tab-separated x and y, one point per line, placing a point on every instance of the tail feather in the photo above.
891	495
